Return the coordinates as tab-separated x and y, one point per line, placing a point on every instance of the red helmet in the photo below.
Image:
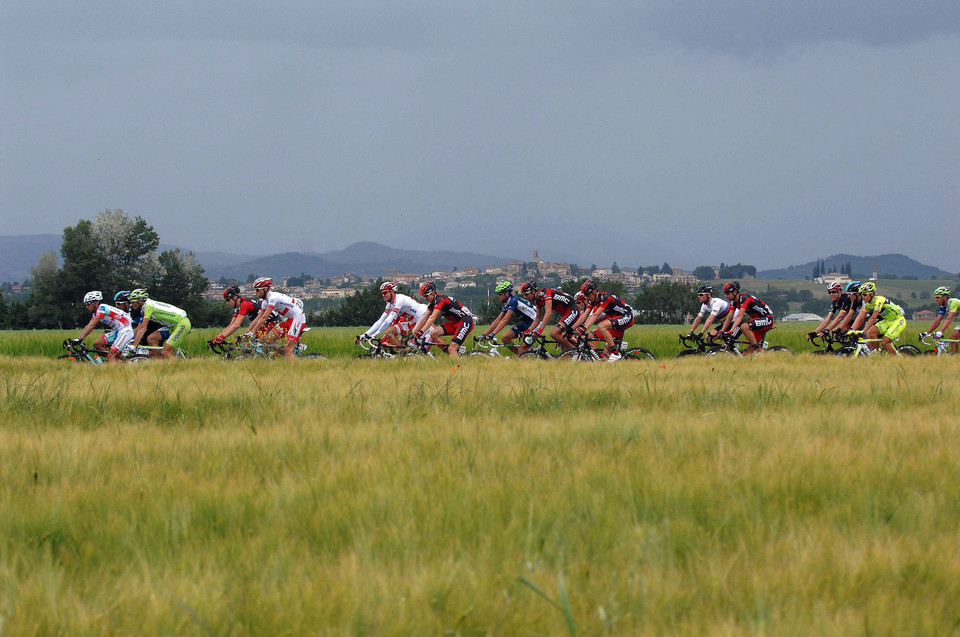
231	291
731	288
834	287
579	297
528	287
588	286
427	287
263	282
388	286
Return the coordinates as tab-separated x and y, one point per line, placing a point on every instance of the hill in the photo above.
19	253
360	258
862	267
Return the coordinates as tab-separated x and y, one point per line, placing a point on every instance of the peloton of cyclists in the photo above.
168	316
400	315
840	303
549	301
457	319
751	316
515	308
114	318
712	309
886	320
611	314
248	309
947	309
289	309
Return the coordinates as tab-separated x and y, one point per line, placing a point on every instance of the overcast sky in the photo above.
692	132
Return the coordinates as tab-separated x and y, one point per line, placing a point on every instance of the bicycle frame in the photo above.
942	345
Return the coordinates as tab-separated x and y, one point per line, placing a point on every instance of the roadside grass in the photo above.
712	496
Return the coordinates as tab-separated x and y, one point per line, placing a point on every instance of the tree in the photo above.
665	268
665	302
129	248
615	268
181	282
652	269
704	273
361	308
816	306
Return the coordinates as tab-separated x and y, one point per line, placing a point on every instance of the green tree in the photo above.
665	268
181	282
360	309
665	302
615	268
704	273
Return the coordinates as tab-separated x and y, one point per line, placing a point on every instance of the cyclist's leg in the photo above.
604	327
179	332
891	330
954	337
873	335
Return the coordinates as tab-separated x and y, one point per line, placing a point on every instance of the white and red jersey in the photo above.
716	306
286	306
402	309
113	317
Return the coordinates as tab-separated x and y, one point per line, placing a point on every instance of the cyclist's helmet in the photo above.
834	287
705	289
868	288
942	291
123	296
732	287
853	287
428	288
92	297
504	287
231	292
388	286
528	287
263	283
589	286
578	297
139	295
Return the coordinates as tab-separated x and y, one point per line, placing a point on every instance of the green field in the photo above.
805	495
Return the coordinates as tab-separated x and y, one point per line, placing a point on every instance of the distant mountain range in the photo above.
19	253
861	267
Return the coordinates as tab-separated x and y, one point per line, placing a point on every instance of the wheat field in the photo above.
480	497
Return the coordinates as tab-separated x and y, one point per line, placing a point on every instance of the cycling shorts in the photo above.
892	328
179	332
294	326
119	339
404	325
521	328
459	329
760	324
568	320
619	324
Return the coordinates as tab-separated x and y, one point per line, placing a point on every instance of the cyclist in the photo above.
399	317
114	318
458	321
751	316
946	312
244	308
518	309
712	309
289	309
548	301
611	314
886	320
121	301
169	316
856	304
840	303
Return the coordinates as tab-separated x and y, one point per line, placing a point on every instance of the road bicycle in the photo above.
735	347
248	346
584	351
697	345
857	346
827	343
379	348
487	347
941	345
538	347
146	350
78	352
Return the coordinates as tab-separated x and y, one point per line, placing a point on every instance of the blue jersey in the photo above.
523	310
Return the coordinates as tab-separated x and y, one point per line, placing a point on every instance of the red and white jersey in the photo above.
113	317
401	309
285	306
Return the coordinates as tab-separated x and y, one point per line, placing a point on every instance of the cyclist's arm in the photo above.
545	316
837	321
948	320
89	327
737	320
858	322
379	326
232	327
424	325
141	330
825	323
261	318
499	322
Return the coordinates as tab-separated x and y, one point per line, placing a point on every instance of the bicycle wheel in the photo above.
534	355
846	350
909	350
314	355
573	354
639	354
137	358
69	357
782	349
686	352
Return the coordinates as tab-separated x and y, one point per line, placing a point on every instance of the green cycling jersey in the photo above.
887	309
163	313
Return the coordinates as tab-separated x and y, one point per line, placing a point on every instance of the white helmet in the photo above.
92	297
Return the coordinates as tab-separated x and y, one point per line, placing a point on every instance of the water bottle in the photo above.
766	345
